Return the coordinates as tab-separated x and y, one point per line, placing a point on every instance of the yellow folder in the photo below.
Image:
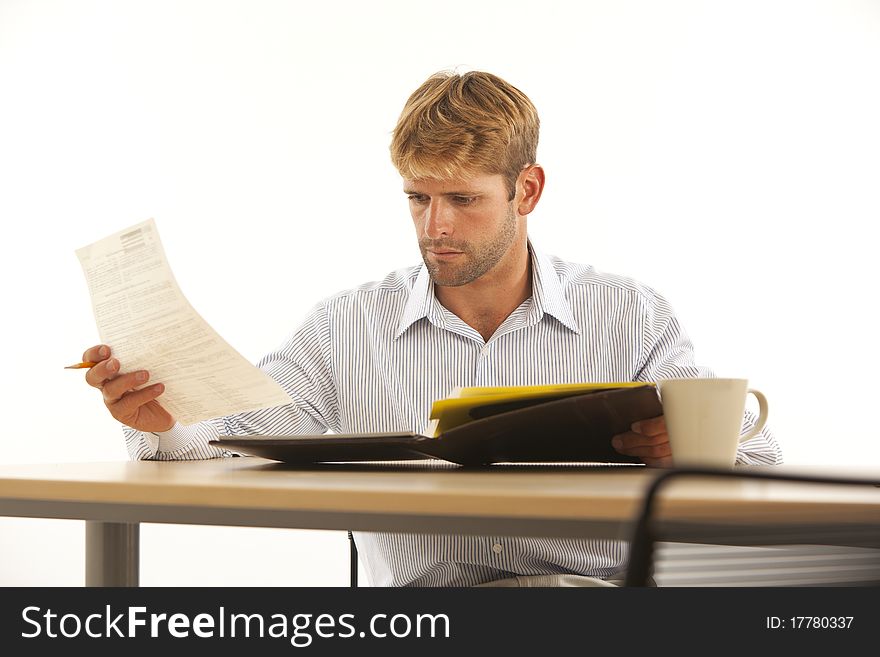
456	409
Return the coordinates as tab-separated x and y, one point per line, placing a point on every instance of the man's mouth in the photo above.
445	255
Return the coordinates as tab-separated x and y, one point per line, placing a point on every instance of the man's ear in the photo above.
531	184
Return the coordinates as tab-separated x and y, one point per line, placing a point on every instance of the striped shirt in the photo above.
374	359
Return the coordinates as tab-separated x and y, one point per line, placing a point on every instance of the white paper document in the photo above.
148	324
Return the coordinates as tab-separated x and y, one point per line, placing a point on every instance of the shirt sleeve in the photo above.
667	353
302	365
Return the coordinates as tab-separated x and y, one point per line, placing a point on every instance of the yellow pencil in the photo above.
80	366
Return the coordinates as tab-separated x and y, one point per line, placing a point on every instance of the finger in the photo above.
129	403
96	354
630	439
104	371
649	451
114	389
650	427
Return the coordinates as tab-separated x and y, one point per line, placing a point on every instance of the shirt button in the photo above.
484	352
497	548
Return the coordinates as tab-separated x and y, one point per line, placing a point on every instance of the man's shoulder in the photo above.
577	278
394	288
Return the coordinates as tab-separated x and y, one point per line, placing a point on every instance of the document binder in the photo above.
570	426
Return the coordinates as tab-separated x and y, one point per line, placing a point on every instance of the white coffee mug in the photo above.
704	418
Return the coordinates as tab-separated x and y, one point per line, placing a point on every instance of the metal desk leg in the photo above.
112	553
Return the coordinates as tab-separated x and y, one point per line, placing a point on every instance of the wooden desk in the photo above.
421	497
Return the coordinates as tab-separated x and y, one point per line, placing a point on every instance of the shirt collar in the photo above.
420	302
547	291
547	295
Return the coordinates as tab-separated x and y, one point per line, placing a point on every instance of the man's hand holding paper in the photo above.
134	407
154	333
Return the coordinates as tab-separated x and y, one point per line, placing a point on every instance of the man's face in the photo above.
465	227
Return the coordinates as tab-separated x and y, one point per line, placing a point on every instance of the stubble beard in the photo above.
475	261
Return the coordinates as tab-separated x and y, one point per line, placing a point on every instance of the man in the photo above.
486	308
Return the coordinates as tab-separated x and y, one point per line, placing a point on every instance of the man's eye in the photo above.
417	198
464	200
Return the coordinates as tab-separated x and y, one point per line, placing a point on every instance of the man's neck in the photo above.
487	302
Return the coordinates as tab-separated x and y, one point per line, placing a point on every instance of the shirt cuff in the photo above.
176	438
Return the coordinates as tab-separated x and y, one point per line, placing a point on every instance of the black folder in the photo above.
572	429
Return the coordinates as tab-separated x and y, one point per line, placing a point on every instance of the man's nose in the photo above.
438	222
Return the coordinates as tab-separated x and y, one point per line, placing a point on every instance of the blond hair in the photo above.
461	125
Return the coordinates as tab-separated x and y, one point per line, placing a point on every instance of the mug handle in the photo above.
762	417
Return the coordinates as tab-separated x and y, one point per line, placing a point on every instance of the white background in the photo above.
725	153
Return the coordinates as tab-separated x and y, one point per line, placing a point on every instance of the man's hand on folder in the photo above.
135	408
647	440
